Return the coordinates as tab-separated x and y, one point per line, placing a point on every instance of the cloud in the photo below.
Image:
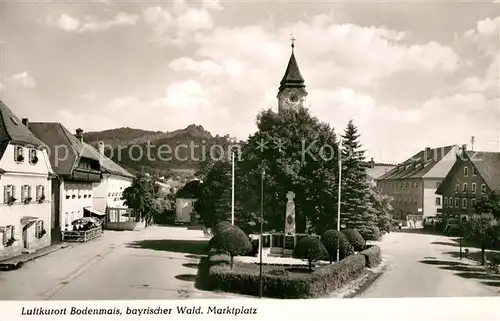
485	35
89	96
22	79
91	23
177	24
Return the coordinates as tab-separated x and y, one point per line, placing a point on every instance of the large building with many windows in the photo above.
474	175
413	183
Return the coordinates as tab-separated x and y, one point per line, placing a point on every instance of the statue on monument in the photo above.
290	214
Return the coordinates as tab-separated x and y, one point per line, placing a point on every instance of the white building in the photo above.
25	182
185	200
77	168
109	191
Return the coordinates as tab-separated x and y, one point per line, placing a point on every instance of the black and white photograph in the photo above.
225	150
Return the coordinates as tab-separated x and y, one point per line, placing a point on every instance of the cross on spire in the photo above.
293	41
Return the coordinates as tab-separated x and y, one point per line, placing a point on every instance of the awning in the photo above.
94	211
25	220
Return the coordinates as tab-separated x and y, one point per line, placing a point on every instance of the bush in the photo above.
355	238
212	244
373	256
286	285
221	226
234	241
219	258
331	239
311	249
371	233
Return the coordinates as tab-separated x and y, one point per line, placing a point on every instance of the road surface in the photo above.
420	265
156	263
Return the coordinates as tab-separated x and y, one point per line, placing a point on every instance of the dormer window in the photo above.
18	154
33	156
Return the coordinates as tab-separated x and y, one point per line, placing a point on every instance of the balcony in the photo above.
86	176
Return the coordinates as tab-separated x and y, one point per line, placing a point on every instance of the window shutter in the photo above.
29	191
5	193
13	191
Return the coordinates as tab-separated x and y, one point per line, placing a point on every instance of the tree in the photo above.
311	249
355	238
489	204
234	241
141	196
478	228
355	197
298	153
333	239
381	204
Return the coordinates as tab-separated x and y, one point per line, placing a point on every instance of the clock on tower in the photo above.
292	92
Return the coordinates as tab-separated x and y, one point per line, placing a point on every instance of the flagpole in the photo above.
232	187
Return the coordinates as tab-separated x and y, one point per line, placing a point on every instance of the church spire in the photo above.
292	77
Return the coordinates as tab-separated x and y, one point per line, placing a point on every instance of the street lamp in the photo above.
340	193
261	229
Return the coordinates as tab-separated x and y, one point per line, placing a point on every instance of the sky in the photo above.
409	74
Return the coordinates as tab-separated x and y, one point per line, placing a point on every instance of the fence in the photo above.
82	236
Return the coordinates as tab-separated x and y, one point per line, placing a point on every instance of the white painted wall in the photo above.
19	174
183	209
74	197
109	191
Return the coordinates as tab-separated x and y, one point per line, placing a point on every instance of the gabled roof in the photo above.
107	165
487	165
12	130
419	164
292	77
63	144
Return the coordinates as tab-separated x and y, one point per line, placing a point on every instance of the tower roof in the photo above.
292	77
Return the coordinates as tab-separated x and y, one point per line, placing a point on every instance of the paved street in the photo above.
120	265
427	266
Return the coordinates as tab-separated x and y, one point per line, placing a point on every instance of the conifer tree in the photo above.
356	210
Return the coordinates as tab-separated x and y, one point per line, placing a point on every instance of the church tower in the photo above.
292	92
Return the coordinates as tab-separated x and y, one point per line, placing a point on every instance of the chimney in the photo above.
372	161
79	134
25	122
101	147
427	152
464	148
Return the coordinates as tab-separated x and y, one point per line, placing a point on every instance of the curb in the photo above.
17	264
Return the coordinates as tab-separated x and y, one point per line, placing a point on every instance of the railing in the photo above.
82	236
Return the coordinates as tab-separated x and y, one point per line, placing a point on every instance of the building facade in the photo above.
25	184
292	91
375	170
474	175
77	169
413	183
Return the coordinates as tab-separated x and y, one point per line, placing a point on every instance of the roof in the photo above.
12	130
62	143
292	77
487	165
419	164
108	165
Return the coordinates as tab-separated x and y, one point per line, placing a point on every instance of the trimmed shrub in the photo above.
311	249
212	244
234	241
371	233
279	272
219	258
356	239
221	226
331	239
373	256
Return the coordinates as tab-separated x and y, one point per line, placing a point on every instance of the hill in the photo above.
157	152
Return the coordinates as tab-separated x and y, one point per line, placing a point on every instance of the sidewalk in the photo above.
17	261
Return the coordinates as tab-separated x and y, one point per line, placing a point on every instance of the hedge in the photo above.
355	238
321	282
373	256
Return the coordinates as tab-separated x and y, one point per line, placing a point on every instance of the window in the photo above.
438	201
33	156
8	234
437	184
473	202
445	201
8	192
457	188
457	202
483	188
415	185
40	193
464	187
39	230
18	154
474	171
450	202
466	171
464	203
25	193
473	187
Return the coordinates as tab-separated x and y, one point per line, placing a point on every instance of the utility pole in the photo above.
261	230
232	187
339	196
